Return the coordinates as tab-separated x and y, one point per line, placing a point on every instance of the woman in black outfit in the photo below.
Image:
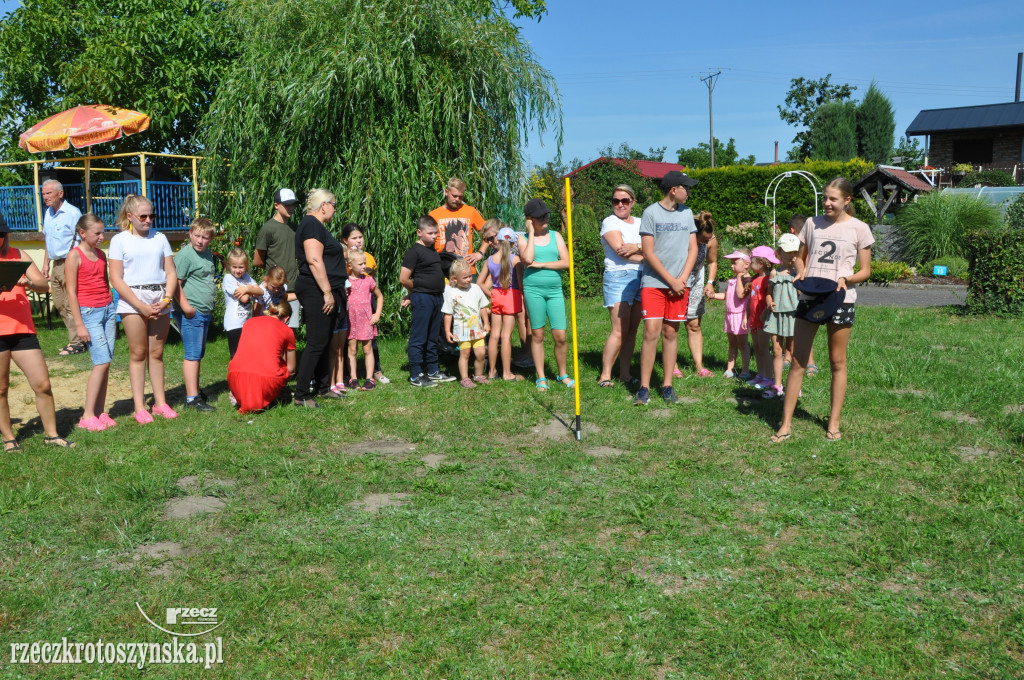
320	289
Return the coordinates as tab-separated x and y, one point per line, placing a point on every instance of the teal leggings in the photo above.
544	302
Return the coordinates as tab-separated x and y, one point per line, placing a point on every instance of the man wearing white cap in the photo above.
275	245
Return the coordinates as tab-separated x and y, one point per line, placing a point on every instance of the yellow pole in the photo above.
39	207
142	172
195	191
88	194
572	307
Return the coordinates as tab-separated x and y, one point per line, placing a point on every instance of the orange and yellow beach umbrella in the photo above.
82	126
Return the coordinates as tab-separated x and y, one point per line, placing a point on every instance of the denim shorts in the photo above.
102	327
621	285
193	333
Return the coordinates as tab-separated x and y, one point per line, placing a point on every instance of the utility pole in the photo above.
709	80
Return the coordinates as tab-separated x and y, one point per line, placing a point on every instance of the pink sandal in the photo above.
165	411
705	373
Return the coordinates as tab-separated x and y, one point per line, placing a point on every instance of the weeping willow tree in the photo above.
379	101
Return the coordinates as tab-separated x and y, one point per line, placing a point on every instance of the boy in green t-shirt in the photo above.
193	309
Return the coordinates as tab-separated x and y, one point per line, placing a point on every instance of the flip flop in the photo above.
70	350
779	438
515	378
812	369
58	441
831	436
606	383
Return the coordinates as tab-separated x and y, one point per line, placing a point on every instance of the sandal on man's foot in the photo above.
542	384
779	438
563	378
70	349
58	441
606	383
11	446
831	436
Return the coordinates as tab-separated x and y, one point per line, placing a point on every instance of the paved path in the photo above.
910	295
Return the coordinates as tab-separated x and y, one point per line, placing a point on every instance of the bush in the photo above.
587	253
883	271
990	178
996	273
955	266
1015	213
937	225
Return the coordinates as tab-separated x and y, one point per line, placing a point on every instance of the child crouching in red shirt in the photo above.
265	359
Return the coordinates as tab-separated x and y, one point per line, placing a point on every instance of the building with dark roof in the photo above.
991	135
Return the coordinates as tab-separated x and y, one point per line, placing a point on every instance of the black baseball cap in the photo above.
675	178
285	197
537	208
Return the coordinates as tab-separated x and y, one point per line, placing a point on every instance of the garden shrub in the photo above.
1015	213
955	266
936	225
991	178
996	272
587	252
883	271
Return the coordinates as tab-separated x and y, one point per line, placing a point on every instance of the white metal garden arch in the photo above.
773	189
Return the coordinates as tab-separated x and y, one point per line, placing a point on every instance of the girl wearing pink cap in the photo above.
736	305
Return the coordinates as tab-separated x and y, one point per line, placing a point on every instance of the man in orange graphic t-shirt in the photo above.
456	223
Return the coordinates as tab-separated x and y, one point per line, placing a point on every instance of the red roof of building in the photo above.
649	169
908	181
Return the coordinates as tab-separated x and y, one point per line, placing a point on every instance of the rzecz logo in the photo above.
183	621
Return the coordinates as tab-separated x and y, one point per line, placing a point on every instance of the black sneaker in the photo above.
642	398
423	381
199	404
441	377
669	395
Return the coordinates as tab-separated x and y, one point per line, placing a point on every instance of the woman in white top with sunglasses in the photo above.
620	235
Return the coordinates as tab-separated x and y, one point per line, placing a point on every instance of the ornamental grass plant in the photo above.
937	225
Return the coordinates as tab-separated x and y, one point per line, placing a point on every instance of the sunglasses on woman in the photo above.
621	201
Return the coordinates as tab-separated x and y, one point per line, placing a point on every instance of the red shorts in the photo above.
659	303
506	301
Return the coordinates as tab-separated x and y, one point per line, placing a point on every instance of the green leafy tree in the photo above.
802	101
161	57
380	107
700	156
876	126
626	152
833	133
908	154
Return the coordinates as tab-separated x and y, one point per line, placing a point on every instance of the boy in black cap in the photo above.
668	237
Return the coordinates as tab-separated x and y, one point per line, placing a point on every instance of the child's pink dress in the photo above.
359	308
735	310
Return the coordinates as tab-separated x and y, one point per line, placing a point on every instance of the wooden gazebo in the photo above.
890	185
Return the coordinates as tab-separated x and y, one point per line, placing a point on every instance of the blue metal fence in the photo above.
172	202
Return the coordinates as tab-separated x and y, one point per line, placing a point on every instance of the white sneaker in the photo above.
382	379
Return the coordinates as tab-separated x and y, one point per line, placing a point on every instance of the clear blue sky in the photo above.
629	72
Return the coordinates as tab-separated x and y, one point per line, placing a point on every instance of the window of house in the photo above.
972	151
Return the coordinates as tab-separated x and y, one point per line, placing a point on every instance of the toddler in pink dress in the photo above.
736	307
362	320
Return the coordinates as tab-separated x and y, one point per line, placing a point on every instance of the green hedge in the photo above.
587	252
996	273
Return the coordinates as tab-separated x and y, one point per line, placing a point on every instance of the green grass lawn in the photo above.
669	543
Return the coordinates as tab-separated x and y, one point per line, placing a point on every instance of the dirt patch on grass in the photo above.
604	452
433	460
68	394
970	454
190	506
959	417
165	551
385	447
785	537
557	429
372	503
910	392
1013	409
191	483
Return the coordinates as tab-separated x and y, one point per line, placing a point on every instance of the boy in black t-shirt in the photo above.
423	277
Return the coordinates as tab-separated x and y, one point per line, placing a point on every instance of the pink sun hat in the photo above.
737	255
766	252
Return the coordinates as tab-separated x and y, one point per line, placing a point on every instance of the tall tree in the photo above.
802	101
833	133
161	57
876	126
626	152
700	156
908	153
379	104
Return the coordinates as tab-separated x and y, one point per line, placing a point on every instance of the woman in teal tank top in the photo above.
545	256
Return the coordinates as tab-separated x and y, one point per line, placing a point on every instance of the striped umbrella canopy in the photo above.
82	126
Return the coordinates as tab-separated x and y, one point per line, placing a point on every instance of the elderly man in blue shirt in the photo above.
59	222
